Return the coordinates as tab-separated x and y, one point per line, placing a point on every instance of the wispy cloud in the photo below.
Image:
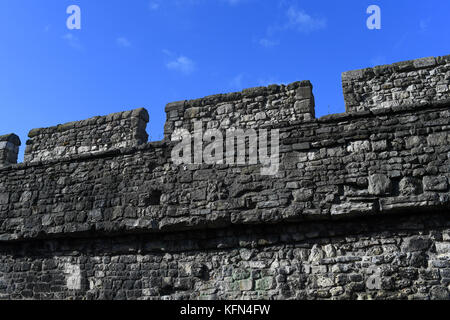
293	19
182	64
73	41
300	20
123	42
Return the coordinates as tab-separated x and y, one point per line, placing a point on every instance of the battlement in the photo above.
9	149
117	130
252	108
408	82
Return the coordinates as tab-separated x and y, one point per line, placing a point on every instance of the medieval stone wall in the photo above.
408	82
117	130
400	257
359	208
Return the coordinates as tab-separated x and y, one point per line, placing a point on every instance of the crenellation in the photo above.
97	134
423	80
9	149
251	108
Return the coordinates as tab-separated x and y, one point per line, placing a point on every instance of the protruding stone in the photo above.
439	293
409	186
303	195
439	183
379	184
9	149
416	244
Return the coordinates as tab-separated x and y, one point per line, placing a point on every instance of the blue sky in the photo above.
146	53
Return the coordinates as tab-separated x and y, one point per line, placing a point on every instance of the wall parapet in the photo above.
117	130
251	108
421	80
9	149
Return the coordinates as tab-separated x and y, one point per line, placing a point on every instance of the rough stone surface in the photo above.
118	130
9	149
380	257
358	210
408	82
252	108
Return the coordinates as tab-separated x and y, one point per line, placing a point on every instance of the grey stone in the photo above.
439	183
97	212
379	184
439	293
416	244
303	195
409	186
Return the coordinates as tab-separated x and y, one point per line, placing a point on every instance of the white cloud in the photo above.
73	41
303	22
182	64
293	19
123	42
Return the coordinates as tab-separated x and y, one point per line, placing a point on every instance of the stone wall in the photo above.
358	209
339	165
118	130
251	108
401	257
9	149
408	82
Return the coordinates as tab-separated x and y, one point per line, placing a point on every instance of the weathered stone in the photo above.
357	207
435	183
379	184
409	186
246	285
265	284
439	293
381	85
303	195
416	244
4	198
